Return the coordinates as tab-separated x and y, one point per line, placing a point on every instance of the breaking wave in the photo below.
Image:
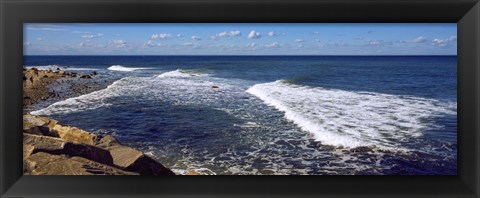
353	119
122	68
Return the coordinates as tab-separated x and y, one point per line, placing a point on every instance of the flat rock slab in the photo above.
49	127
133	160
59	146
27	150
43	143
31	120
74	134
67	148
48	164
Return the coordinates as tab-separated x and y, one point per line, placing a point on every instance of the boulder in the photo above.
74	134
48	164
28	166
88	151
67	148
27	150
133	160
31	120
85	76
59	146
44	143
145	165
106	142
52	123
39	125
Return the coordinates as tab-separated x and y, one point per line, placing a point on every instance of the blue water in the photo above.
386	115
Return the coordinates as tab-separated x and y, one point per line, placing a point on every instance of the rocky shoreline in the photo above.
51	148
36	85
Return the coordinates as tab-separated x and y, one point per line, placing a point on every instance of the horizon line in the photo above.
244	55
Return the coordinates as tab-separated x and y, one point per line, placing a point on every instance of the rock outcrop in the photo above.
36	82
50	148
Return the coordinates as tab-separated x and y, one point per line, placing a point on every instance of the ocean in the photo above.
288	115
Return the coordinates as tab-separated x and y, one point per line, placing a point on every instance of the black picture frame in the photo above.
13	13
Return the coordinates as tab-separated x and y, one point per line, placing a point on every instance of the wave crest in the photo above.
122	68
352	119
180	73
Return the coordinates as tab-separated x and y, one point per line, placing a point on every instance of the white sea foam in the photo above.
172	87
352	119
89	101
123	68
179	73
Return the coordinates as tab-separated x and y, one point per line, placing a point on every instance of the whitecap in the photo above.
353	119
123	68
180	73
94	100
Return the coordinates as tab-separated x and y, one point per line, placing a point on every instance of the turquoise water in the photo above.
273	114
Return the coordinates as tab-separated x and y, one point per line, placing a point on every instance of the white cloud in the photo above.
403	43
254	35
46	27
341	44
272	34
92	35
228	34
162	36
196	38
272	45
316	33
87	44
452	38
149	43
26	43
251	45
376	42
359	38
420	39
191	44
39	39
299	40
120	43
80	32
440	42
179	35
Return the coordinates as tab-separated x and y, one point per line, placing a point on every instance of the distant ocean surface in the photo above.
365	115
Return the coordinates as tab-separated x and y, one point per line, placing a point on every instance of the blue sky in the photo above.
240	39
